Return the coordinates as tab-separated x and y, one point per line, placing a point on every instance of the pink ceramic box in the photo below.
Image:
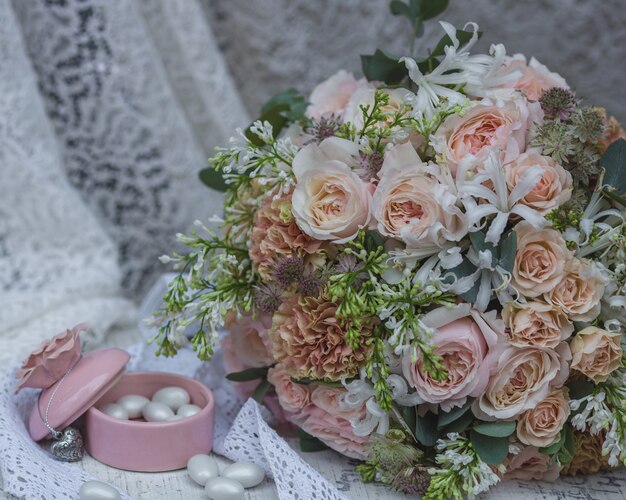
150	446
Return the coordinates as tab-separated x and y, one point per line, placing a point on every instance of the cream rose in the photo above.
364	96
541	426
540	259
330	201
524	376
579	293
536	324
534	77
487	126
553	190
466	341
292	397
596	353
332	96
412	206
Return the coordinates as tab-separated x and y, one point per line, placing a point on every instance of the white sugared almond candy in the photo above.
201	468
223	488
157	412
247	474
114	410
133	404
174	397
97	490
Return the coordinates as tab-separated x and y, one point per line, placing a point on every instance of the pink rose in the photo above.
534	77
291	396
245	347
529	464
553	190
466	340
412	206
51	360
486	127
540	259
327	419
330	201
332	96
596	353
524	377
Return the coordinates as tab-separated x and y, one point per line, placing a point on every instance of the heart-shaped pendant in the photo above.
69	446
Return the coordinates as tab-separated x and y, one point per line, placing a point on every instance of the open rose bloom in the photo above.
425	268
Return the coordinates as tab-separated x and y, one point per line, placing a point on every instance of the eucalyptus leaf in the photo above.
460	424
309	443
213	179
614	164
409	415
506	251
261	390
446	418
491	450
566	453
495	429
247	375
426	429
554	447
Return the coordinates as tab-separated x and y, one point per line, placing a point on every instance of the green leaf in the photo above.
507	249
491	450
281	110
614	164
454	414
466	268
566	453
495	429
460	424
261	390
309	443
213	179
399	8
426	429
615	197
554	447
409	415
478	242
373	240
579	389
247	375
381	66
309	381
432	8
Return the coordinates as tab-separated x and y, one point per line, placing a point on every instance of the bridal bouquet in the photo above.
423	269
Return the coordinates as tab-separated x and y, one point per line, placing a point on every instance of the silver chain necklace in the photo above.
67	445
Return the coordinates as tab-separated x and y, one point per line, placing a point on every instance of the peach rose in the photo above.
332	96
541	426
412	206
540	259
309	340
466	341
531	464
553	190
47	364
292	397
579	292
596	353
536	324
588	458
486	127
327	419
275	234
534	77
524	377
330	201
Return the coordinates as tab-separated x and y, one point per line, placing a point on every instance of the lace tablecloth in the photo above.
241	433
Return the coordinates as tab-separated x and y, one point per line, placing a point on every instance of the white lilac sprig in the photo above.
604	410
460	472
